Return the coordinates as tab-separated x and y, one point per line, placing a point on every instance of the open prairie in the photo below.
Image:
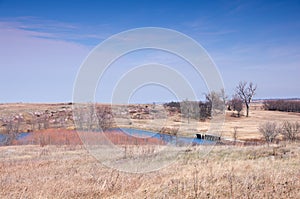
247	126
150	99
157	119
59	166
226	172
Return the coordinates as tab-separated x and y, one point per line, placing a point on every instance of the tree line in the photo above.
199	110
216	102
282	105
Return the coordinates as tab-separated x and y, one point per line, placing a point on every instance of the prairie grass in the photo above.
226	172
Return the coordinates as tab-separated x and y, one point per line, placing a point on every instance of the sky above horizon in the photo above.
44	43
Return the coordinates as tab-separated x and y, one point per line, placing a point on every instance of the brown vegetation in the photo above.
269	131
73	138
160	118
282	105
55	164
235	104
227	172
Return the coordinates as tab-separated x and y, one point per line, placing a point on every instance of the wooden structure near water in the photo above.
208	137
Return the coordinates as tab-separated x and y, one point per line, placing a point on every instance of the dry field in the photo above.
226	172
59	166
154	121
247	126
11	108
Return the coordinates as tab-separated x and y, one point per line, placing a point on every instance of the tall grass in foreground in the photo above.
227	172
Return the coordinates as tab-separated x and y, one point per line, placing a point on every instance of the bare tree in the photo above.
190	109
223	96
217	101
79	116
290	130
85	116
91	116
104	117
45	120
269	130
236	104
246	92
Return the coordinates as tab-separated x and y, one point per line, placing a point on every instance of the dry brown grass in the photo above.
69	171
227	172
247	127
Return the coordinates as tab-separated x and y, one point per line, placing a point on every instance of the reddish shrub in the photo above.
72	137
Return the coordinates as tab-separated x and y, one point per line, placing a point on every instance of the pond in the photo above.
138	133
168	139
20	136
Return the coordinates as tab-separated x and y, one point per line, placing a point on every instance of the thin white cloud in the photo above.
36	68
50	29
204	26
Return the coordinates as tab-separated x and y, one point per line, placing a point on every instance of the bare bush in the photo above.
269	130
236	104
172	104
235	134
12	126
104	117
290	131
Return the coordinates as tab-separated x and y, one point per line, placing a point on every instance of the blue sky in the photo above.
43	44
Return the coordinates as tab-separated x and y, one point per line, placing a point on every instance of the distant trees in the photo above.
172	104
214	104
190	109
93	117
282	105
246	91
